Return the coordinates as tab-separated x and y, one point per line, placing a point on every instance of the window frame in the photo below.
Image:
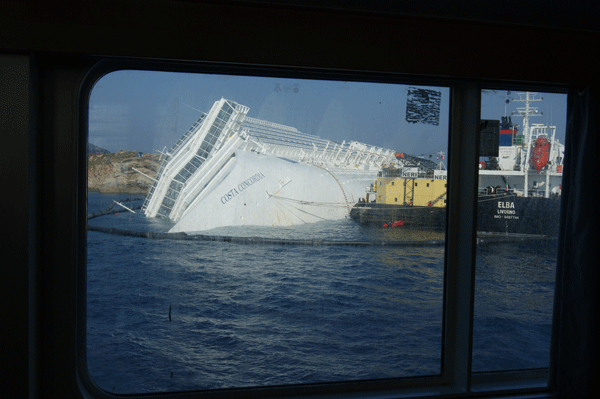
456	377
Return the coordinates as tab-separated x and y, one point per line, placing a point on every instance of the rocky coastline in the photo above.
113	172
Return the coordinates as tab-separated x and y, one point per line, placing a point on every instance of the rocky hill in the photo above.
113	173
94	149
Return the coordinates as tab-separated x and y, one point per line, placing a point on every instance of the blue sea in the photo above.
265	314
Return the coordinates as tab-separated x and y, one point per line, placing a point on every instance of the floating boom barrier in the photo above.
482	237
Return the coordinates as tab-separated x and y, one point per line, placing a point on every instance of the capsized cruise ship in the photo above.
232	170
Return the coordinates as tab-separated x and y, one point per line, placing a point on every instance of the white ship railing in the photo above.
354	159
190	153
180	143
275	133
270	124
199	184
188	135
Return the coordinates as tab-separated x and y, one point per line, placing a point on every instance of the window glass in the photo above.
520	182
254	264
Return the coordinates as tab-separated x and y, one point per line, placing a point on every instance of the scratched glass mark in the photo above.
423	106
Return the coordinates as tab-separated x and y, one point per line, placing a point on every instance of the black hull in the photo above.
495	214
519	215
374	214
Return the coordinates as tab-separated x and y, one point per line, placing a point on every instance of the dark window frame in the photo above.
456	377
47	50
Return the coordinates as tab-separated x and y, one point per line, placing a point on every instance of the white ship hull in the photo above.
230	170
263	190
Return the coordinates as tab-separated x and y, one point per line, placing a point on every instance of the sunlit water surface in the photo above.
256	315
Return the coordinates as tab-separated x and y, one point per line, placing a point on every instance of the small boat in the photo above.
397	223
540	153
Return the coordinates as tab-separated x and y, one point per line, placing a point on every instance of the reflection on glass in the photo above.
520	182
205	163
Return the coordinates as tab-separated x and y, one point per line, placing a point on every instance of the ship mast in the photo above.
525	113
441	157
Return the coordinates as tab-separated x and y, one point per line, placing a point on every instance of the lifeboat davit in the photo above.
540	153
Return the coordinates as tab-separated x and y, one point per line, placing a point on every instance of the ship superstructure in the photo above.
528	164
229	169
412	181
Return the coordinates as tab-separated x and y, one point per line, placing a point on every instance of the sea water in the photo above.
166	315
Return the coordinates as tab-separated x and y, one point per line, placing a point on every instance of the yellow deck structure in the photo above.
409	191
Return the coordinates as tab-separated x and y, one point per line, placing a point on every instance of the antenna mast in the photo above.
526	112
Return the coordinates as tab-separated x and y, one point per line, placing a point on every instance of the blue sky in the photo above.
146	111
552	109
